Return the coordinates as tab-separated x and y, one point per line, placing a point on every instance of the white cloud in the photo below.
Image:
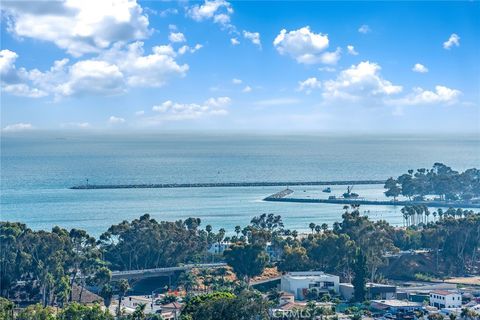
305	46
419	96
176	37
277	102
152	70
331	57
351	50
116	120
171	111
167	12
13	80
184	49
418	67
217	10
360	82
453	40
78	26
309	84
92	77
236	81
234	41
110	73
222	19
140	113
254	37
364	29
247	89
23	90
7	61
18	127
327	69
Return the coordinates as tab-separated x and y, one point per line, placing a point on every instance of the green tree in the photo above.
75	311
294	259
36	312
359	277
247	305
139	313
188	280
6	309
62	290
122	288
106	293
145	243
246	260
393	190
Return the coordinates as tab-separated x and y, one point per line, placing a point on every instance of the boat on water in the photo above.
349	194
327	190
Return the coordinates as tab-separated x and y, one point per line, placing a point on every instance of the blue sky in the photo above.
241	66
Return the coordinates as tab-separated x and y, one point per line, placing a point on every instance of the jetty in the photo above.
282	197
223	184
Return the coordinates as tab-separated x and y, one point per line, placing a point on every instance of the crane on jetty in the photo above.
349	194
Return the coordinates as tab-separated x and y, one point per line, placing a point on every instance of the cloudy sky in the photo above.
241	66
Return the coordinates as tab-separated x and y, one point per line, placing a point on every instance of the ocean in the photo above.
37	170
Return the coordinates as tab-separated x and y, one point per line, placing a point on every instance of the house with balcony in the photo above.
299	283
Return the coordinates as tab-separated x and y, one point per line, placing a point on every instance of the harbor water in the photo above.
38	169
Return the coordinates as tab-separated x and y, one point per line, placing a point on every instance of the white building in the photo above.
169	311
129	303
445	299
298	283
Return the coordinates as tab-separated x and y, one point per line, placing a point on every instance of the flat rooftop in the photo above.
443	292
397	303
308	274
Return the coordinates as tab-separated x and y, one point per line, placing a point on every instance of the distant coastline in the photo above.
224	184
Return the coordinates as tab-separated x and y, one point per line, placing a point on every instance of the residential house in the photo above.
445	299
299	283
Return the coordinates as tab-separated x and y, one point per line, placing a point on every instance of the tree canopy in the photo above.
440	180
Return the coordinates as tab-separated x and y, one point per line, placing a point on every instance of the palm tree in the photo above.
459	212
139	313
318	228
123	287
188	280
312	226
405	215
440	213
106	293
238	229
295	234
208	228
426	212
418	214
324	227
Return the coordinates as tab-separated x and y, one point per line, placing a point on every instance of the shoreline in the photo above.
435	204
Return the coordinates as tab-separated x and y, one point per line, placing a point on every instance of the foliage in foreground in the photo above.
226	306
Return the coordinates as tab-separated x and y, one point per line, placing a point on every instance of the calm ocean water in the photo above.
36	171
